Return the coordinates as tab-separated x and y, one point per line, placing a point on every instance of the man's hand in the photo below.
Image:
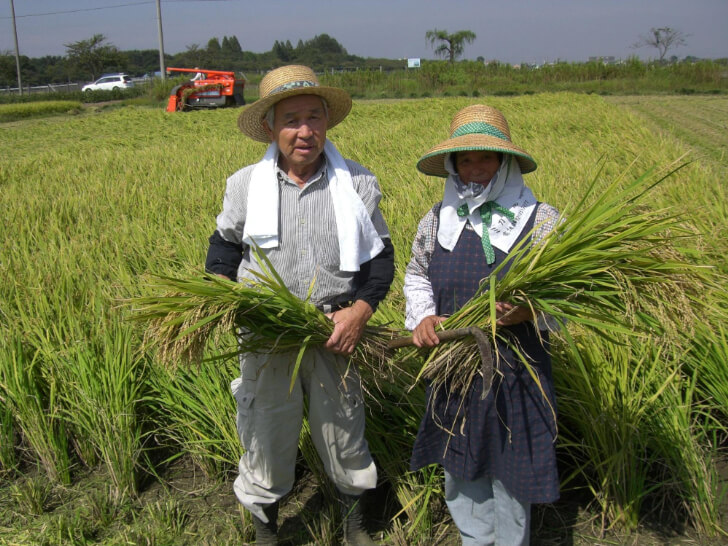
424	334
349	326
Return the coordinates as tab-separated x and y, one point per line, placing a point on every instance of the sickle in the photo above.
481	340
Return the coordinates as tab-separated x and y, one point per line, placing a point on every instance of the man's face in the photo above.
299	129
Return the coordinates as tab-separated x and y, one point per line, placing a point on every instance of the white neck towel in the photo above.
506	188
359	241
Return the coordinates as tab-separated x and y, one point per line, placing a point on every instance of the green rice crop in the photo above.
195	415
32	394
630	425
15	112
103	389
96	204
471	78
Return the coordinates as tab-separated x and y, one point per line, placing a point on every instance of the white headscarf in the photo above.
505	188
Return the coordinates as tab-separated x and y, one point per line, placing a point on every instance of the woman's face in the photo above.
477	166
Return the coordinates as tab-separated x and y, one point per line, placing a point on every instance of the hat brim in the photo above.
250	121
433	162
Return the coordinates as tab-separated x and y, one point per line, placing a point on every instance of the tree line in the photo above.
86	60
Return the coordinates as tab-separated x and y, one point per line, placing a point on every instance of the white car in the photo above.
109	83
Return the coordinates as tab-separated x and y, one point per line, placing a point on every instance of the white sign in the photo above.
413	63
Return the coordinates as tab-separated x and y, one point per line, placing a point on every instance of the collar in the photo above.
321	173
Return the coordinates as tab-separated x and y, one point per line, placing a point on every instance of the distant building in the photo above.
605	60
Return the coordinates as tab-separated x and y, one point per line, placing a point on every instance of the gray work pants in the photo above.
269	422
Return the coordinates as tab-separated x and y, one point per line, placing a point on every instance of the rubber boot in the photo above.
353	516
266	534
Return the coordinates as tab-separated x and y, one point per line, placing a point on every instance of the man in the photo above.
316	217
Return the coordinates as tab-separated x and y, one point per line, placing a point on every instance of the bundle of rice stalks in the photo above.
195	312
608	266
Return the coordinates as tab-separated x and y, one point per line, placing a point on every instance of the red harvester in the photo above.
207	89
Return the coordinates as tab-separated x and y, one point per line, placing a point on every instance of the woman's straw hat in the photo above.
476	127
288	81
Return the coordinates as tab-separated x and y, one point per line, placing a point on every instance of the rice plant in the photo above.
32	394
606	267
14	112
97	204
321	525
195	414
270	318
32	495
630	423
707	360
8	442
103	388
687	459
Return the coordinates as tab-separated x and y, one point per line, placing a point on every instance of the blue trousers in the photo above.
485	512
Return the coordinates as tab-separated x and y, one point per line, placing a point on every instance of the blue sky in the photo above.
513	31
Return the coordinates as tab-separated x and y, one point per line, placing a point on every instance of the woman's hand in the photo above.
507	314
424	334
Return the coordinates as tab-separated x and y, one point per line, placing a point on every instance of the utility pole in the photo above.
162	69
17	51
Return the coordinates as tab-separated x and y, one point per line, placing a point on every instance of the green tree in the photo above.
8	74
235	45
324	43
320	51
191	57
664	39
282	51
449	45
142	61
93	56
48	69
213	46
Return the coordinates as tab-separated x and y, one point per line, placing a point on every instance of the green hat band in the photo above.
480	128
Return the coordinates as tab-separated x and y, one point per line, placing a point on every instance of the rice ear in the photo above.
191	313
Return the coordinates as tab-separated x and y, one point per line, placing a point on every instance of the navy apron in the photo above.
510	435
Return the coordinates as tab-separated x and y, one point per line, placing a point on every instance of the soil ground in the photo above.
568	522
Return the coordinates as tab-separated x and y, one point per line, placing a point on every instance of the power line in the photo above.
107	7
79	10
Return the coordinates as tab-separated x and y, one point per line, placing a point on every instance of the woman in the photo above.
498	451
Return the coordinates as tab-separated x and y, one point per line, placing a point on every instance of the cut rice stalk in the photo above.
192	312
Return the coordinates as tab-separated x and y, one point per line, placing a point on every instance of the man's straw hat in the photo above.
288	81
477	127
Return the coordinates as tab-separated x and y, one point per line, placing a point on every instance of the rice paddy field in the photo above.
101	444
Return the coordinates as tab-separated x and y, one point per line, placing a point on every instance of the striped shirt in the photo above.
307	257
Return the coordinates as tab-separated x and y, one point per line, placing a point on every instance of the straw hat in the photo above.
477	127
288	81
